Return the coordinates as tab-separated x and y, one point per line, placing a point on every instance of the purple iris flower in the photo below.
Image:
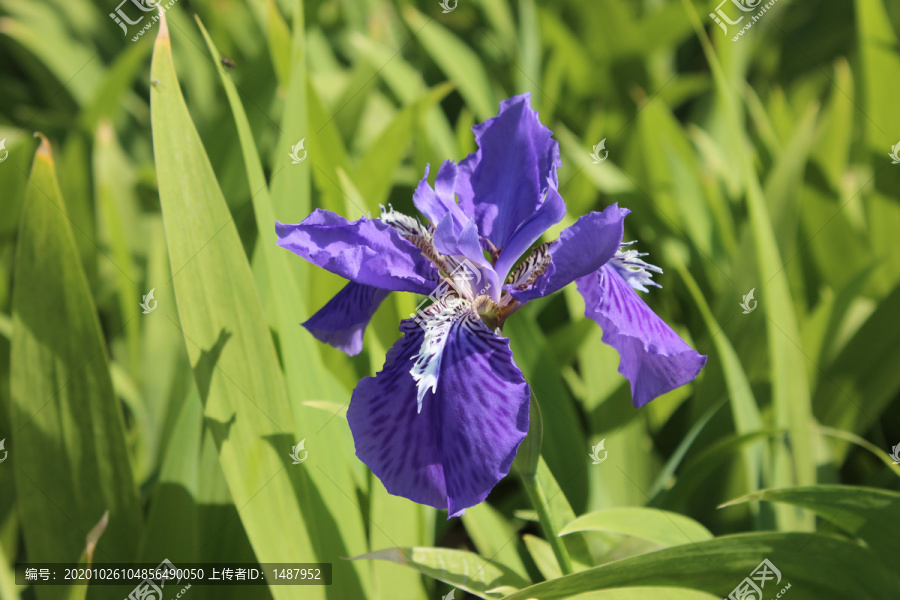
441	423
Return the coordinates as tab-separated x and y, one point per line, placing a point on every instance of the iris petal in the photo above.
581	249
551	212
438	202
343	320
366	251
452	453
503	182
653	358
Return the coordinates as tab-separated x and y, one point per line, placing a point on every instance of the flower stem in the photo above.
539	500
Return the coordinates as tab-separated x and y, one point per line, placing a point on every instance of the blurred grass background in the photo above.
757	164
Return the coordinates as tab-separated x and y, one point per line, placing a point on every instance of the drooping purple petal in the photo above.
550	212
503	182
343	320
653	358
366	251
581	249
452	453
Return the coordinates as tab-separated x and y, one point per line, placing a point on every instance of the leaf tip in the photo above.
44	151
163	35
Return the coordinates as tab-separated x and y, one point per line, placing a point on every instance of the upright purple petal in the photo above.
343	320
436	203
550	212
581	249
503	182
452	453
455	233
653	358
476	274
366	251
459	239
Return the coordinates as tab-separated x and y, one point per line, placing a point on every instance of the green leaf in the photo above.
464	570
304	372
375	172
68	448
643	593
563	437
868	513
744	408
116	215
660	526
8	587
235	363
834	140
407	83
880	75
459	62
853	380
290	182
396	521
115	89
494	536
816	567
542	554
279	38
790	392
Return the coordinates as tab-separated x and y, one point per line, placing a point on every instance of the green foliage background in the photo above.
759	163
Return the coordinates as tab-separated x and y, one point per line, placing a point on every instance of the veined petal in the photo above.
551	212
452	453
581	249
343	320
436	321
366	251
503	182
653	358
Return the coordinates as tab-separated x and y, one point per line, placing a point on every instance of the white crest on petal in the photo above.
404	224
524	275
464	276
634	270
437	321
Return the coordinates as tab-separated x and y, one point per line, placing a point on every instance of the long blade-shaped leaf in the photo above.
70	458
305	374
816	566
235	364
868	513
